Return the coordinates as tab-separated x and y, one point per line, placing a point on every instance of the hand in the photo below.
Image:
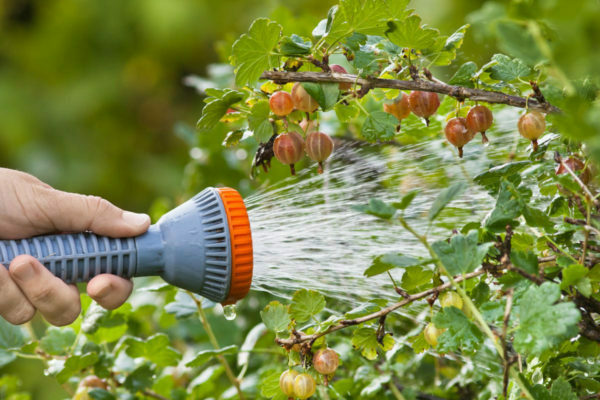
29	207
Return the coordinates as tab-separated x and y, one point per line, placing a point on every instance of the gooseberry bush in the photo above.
512	298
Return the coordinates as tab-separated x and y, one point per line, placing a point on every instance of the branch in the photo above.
345	323
458	92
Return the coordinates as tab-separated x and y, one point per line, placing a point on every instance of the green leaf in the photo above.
295	46
141	378
252	53
233	138
509	206
155	349
527	261
416	278
74	364
365	339
507	69
538	218
183	306
11	336
576	275
460	332
465	75
216	107
6	357
368	17
205	355
58	341
389	261
561	390
379	125
406	200
377	208
365	62
492	178
258	121
346	113
101	394
276	317
305	304
444	198
542	323
462	255
409	33
443	52
269	384
326	94
516	40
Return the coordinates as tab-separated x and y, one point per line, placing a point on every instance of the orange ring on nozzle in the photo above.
241	244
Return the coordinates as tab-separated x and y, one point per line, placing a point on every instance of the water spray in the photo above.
204	245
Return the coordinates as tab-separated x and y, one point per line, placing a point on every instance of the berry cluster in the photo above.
459	131
302	385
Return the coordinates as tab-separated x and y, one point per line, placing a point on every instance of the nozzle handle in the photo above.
76	257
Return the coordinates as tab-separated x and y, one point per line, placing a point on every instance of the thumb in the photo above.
76	213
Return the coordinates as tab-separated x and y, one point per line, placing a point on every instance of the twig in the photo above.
582	185
154	395
507	361
458	92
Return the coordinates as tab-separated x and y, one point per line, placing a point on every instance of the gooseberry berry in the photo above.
338	69
531	126
302	100
289	149
479	119
304	386
458	134
399	108
286	382
319	147
451	299
281	103
432	333
423	104
326	361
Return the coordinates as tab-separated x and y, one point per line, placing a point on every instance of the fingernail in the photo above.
135	219
103	291
23	271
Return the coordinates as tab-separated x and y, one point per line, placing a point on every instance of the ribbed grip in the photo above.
75	257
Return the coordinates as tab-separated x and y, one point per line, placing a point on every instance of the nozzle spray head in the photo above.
203	245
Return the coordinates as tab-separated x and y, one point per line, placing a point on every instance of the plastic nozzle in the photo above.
204	245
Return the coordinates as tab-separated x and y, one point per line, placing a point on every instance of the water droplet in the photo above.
230	312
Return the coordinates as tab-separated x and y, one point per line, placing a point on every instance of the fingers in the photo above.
110	291
56	301
75	213
14	306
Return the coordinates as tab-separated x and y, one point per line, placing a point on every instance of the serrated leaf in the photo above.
346	113
183	306
141	378
576	275
507	69
377	208
527	261
509	206
269	384
492	178
259	122
252	53
416	278
444	198
389	261
462	255
460	332
233	138
100	394
368	17
155	349
203	356
276	317
74	364
418	343
216	107
11	336
305	304
379	125
409	33
464	75
57	341
447	54
542	323
295	46
326	94
365	62
365	339
406	200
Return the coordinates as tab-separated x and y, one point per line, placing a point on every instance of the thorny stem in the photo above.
436	86
507	361
213	340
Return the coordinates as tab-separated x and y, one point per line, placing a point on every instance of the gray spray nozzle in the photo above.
204	245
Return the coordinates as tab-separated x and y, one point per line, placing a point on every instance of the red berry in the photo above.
400	108
531	126
302	100
281	103
326	361
319	147
92	381
423	104
338	69
304	386
289	149
479	119
458	134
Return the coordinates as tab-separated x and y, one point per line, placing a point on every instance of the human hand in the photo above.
29	207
